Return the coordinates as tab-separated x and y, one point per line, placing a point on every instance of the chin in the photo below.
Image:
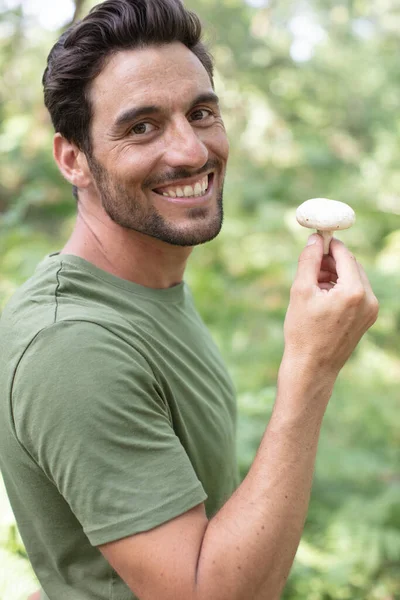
200	225
194	234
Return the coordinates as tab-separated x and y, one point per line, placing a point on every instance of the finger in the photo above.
310	261
327	276
372	301
326	286
364	278
346	265
328	264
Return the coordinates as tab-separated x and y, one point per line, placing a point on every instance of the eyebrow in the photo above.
129	115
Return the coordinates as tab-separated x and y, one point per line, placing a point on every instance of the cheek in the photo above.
134	165
219	143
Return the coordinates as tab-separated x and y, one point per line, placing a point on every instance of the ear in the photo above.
72	162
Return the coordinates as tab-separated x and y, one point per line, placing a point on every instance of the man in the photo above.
118	414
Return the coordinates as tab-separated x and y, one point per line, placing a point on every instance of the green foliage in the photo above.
310	98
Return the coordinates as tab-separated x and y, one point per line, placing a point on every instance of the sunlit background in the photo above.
46	14
311	98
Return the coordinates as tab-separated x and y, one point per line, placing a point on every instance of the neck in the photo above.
127	253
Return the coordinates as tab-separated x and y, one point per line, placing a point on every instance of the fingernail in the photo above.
312	239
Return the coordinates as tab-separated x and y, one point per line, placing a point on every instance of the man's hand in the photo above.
331	306
35	596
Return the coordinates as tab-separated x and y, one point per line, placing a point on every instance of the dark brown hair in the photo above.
83	50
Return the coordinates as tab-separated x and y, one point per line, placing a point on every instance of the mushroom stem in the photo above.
327	236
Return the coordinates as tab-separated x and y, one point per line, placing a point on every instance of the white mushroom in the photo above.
325	216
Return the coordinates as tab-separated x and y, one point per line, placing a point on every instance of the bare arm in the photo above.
247	549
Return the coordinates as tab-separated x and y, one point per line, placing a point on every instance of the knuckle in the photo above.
374	308
298	289
356	297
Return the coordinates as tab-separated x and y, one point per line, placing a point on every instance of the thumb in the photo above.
310	260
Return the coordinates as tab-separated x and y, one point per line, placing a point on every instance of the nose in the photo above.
184	147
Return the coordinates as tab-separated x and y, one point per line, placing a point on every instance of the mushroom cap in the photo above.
325	215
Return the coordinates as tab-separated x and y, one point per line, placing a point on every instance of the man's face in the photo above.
159	145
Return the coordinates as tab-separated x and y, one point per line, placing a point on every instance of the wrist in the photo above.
303	388
307	371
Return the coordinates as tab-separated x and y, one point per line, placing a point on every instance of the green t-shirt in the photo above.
117	415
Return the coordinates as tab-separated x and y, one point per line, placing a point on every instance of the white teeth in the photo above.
199	189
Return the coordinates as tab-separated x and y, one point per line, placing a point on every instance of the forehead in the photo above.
165	75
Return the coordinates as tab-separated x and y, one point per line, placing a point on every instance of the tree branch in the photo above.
77	13
78	9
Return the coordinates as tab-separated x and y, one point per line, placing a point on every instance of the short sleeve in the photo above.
91	413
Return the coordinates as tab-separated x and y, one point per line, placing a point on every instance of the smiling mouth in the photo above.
196	189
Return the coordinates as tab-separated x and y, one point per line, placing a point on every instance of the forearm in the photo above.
249	546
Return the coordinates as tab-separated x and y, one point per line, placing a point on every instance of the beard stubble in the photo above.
125	210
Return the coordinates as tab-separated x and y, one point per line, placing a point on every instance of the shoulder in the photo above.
81	343
76	373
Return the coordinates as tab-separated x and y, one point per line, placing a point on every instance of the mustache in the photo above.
181	173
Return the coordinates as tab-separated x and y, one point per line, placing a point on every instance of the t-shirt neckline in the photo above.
172	294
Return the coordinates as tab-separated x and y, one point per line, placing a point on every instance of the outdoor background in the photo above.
310	92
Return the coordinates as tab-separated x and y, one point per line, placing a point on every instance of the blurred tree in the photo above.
310	95
79	4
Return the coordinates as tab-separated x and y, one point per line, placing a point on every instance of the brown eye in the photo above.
200	114
142	128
